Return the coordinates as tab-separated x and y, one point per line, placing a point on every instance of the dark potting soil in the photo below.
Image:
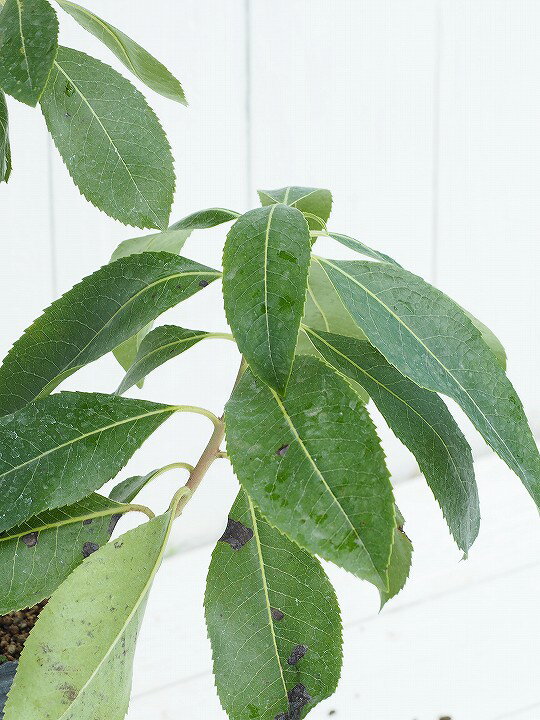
14	630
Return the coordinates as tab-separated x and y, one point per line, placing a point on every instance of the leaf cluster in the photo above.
320	339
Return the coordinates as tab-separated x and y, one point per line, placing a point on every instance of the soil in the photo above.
14	629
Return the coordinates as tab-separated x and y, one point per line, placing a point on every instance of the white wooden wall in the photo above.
422	116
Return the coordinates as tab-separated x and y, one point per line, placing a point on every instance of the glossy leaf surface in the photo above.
205	219
429	339
93	318
313	464
28	45
273	621
159	346
134	57
421	420
312	201
61	448
110	140
265	267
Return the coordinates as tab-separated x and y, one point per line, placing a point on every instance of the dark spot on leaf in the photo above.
277	615
69	89
67	115
282	450
112	524
236	534
70	693
297	654
31	539
88	521
203	283
118	544
298	699
89	548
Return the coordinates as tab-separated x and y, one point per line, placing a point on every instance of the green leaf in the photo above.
110	140
77	662
205	219
361	248
422	422
171	241
400	562
312	201
430	340
61	448
93	318
273	621
5	148
135	58
314	465
265	267
161	345
39	554
28	45
167	241
491	340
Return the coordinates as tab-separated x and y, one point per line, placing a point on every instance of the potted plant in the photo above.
317	338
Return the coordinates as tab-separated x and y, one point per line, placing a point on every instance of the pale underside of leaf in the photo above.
110	139
95	656
421	420
430	340
313	463
134	57
5	148
272	618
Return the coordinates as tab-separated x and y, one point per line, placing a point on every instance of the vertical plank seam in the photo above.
247	102
436	146
53	259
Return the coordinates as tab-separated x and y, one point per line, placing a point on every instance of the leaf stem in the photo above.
199	411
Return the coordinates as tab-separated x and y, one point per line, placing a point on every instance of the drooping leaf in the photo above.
422	422
38	555
110	140
429	339
400	562
28	45
265	267
93	318
205	219
273	621
491	340
5	148
171	241
61	448
77	662
360	247
159	346
312	201
134	57
313	464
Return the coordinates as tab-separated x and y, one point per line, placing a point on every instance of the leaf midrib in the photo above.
398	397
109	138
322	478
133	418
70	365
266	594
428	350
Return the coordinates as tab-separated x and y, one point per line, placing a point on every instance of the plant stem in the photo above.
212	450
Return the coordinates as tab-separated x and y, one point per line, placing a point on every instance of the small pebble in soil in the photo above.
15	628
